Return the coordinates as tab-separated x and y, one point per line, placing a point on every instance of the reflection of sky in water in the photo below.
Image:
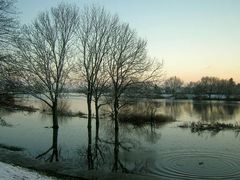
157	151
188	110
76	102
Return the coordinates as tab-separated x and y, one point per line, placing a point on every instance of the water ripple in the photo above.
197	165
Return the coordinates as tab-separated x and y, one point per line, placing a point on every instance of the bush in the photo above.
141	118
6	99
63	109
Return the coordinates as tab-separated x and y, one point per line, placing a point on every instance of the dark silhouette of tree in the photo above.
128	64
208	85
8	22
213	85
173	85
8	27
230	88
94	33
44	57
9	83
54	155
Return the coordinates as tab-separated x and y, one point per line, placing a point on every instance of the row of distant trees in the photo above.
207	86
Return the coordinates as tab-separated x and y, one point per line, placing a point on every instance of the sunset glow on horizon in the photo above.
193	38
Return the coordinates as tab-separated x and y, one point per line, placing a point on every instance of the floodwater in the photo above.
166	151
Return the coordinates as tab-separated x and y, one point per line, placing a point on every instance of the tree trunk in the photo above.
89	151
90	157
55	116
55	145
97	118
96	149
89	100
116	147
89	107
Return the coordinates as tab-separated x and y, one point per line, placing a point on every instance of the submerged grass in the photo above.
62	110
8	102
141	113
17	107
216	127
67	113
11	148
4	123
139	119
71	114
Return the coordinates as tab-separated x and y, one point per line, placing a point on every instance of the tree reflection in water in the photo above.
96	152
214	111
53	150
90	155
99	150
203	110
109	150
117	163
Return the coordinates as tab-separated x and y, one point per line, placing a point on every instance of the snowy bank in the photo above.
10	172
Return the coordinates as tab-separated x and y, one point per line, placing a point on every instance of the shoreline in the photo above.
63	170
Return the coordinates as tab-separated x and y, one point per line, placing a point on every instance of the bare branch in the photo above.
44	58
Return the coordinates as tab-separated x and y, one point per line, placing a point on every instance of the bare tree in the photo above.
44	57
173	85
8	22
94	35
208	85
5	76
128	64
8	27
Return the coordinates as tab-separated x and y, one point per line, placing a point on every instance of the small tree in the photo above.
230	90
94	34
209	85
127	65
173	85
44	57
8	22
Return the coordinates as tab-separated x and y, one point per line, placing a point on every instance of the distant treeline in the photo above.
206	88
174	87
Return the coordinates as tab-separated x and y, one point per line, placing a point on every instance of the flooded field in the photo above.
164	150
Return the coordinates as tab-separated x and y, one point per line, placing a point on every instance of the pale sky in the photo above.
195	38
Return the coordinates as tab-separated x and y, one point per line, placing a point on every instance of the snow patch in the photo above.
10	172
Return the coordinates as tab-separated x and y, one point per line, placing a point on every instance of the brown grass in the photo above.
63	110
144	112
11	148
216	127
137	118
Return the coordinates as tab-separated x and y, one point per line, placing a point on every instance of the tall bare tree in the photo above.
94	35
128	64
8	21
8	27
44	56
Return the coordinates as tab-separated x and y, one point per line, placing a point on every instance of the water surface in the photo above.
166	151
